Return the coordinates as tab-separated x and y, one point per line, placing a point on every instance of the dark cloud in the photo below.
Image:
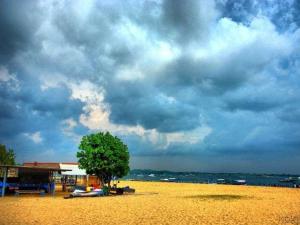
135	104
209	77
296	9
187	20
56	101
215	76
18	22
251	105
290	114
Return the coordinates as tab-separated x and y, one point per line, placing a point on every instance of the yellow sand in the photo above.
161	203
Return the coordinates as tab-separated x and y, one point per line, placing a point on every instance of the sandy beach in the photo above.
160	203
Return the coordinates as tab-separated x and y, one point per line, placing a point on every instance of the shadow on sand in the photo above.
218	197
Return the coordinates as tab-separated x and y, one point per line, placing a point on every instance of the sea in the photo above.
277	180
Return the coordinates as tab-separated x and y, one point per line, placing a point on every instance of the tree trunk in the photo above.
101	181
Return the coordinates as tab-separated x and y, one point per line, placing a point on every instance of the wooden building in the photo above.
27	178
71	177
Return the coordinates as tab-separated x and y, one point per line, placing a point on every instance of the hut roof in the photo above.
53	165
33	168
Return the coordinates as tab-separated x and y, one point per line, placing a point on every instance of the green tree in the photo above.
7	157
103	155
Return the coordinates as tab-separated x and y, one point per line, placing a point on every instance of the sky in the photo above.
209	86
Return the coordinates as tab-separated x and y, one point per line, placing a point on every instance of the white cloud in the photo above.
4	74
68	126
35	137
129	74
70	123
191	137
52	80
229	37
9	78
87	92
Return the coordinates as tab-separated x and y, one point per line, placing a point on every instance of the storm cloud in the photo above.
212	83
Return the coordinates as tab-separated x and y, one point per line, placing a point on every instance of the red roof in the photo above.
54	165
43	164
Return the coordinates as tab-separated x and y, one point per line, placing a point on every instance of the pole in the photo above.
4	181
52	183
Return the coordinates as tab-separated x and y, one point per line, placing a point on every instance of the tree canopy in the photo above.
7	157
104	155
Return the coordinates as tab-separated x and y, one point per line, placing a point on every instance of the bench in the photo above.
18	192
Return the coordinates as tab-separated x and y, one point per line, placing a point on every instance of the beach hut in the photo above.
28	179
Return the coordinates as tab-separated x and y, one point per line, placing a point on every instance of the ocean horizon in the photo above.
255	179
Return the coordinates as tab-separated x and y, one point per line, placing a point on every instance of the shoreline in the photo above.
186	182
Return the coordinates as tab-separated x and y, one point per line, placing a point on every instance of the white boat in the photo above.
164	179
151	175
239	182
172	179
221	181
